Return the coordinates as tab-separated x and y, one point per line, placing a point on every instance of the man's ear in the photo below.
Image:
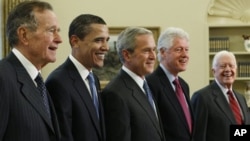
213	71
74	41
22	34
126	54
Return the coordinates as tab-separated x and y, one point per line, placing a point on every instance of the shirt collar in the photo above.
80	68
139	81
170	76
30	68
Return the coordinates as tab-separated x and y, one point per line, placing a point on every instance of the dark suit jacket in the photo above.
172	115
214	115
128	114
75	109
22	113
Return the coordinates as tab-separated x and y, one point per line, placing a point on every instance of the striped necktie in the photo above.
235	107
43	91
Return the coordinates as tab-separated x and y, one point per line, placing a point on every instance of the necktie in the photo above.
182	100
42	89
149	95
93	92
235	107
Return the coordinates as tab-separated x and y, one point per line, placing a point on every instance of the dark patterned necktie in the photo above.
235	107
183	102
93	92
43	91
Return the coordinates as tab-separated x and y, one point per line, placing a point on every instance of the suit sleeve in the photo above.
117	118
4	106
201	117
244	107
62	102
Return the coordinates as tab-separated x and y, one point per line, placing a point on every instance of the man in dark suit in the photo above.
130	111
26	114
75	102
212	104
176	114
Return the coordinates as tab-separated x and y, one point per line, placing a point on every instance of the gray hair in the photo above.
167	37
23	15
126	39
220	54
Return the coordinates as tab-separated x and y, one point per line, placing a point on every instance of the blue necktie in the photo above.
93	92
149	95
42	89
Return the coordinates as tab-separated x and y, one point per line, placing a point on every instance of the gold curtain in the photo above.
7	6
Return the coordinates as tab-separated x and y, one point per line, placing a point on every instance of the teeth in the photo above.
227	75
183	60
101	56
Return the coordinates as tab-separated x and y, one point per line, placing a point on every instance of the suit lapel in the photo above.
221	102
140	97
29	89
243	107
84	94
171	95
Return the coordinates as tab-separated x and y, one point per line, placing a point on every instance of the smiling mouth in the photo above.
100	56
53	48
227	74
183	60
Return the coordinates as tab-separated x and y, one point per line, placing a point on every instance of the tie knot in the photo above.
145	85
91	77
176	81
39	78
229	92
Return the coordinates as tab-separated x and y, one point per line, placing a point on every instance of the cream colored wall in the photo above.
187	14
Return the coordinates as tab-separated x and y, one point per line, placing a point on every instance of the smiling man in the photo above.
217	106
77	103
175	108
130	111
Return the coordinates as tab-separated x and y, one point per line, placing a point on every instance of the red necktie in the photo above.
235	107
183	102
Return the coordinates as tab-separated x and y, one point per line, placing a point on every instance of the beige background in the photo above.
191	15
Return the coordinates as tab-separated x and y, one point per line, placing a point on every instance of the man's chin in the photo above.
99	65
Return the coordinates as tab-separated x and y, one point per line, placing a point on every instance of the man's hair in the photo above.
127	39
80	26
24	15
